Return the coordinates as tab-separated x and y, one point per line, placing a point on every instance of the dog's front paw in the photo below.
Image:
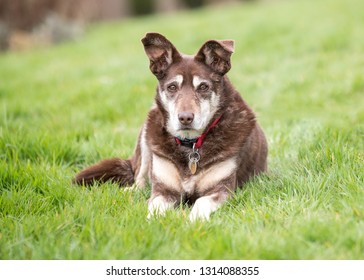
199	215
158	206
202	209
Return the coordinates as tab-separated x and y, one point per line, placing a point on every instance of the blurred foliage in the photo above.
28	23
142	7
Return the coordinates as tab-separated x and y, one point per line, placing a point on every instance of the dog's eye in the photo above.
203	87
172	88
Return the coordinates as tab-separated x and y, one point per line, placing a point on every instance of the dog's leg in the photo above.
142	172
166	186
213	197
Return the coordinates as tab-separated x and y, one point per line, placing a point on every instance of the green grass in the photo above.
299	64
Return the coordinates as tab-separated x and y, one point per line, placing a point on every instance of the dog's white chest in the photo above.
189	185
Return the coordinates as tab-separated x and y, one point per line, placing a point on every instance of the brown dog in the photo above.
200	140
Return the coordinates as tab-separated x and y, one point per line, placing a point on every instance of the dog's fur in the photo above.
193	92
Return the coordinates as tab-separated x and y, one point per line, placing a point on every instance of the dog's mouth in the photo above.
187	132
185	129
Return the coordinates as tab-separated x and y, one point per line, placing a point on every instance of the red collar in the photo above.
198	141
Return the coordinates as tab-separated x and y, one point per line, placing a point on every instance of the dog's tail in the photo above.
115	170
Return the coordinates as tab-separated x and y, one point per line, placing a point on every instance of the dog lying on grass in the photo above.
200	141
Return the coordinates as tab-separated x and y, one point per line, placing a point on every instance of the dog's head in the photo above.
190	87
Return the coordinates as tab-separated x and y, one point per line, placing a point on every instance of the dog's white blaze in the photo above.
145	160
203	208
166	172
216	173
158	206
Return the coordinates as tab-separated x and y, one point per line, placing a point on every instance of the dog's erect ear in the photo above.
161	53
216	54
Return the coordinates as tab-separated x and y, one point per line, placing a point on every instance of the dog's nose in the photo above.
186	118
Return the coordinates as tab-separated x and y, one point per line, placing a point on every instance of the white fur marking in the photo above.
216	173
166	172
145	160
203	207
130	189
185	134
189	184
158	206
177	79
198	81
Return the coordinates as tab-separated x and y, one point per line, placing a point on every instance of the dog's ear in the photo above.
216	54
161	53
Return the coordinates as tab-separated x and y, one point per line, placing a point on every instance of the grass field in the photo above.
299	64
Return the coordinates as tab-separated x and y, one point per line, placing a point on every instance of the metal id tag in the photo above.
192	165
193	159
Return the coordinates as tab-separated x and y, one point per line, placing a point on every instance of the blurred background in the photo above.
26	24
